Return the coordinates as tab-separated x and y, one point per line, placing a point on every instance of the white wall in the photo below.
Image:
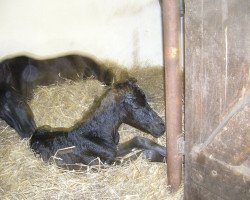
125	31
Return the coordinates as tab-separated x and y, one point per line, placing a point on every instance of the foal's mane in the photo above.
137	91
130	83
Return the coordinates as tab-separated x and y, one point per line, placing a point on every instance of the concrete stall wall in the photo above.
217	114
127	32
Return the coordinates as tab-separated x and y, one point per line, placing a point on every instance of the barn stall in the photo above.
74	28
216	119
24	176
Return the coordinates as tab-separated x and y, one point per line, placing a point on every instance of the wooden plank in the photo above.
232	143
219	178
193	39
201	193
217	62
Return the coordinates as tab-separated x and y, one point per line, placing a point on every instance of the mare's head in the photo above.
136	110
15	111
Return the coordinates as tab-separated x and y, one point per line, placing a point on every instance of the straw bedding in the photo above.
25	176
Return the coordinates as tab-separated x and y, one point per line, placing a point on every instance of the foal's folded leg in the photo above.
96	148
151	150
153	156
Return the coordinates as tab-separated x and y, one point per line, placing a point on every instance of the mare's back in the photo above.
25	73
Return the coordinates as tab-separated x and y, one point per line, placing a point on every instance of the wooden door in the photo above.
217	100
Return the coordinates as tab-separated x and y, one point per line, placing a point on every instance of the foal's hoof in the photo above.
153	156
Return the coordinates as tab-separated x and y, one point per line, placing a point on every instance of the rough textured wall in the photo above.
125	31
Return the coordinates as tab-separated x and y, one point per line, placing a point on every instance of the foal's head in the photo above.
136	109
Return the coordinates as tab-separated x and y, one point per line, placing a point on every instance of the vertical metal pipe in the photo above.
182	34
173	87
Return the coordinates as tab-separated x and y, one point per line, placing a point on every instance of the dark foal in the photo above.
97	135
20	75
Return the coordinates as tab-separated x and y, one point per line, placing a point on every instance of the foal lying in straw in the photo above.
97	136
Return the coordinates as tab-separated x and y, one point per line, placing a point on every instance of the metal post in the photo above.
182	34
173	87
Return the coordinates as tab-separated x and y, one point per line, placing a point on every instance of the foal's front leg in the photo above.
151	150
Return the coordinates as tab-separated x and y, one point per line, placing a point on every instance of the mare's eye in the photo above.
8	94
6	107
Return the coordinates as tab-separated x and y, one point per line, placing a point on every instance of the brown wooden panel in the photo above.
218	178
193	72
217	78
200	193
217	62
232	143
193	39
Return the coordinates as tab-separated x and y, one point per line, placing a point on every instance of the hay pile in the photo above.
24	176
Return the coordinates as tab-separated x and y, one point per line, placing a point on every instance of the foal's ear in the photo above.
131	80
128	82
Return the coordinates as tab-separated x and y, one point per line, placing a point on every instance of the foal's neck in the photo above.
107	114
105	118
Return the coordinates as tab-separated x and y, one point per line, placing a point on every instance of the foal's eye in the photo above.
141	100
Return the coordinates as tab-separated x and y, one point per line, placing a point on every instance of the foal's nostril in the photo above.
162	127
162	124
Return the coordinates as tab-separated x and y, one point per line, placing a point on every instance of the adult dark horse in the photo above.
20	75
97	135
